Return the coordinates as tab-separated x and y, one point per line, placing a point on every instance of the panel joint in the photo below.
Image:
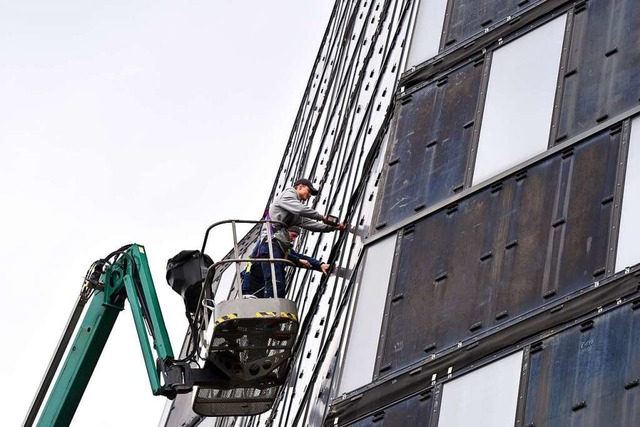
631	384
579	405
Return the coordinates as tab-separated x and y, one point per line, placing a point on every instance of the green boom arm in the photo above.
129	279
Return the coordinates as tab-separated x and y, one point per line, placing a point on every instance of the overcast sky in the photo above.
131	122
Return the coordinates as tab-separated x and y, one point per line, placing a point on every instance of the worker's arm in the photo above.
312	225
302	260
303	215
289	202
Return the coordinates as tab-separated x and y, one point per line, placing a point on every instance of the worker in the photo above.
253	283
289	210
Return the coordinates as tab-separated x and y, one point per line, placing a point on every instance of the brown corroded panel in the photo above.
413	411
602	76
587	375
430	146
467	18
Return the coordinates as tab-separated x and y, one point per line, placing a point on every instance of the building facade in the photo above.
486	154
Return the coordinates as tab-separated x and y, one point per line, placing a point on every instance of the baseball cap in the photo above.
304	181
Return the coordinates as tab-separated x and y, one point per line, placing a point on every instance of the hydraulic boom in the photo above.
108	285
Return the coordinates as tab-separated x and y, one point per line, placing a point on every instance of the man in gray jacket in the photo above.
289	209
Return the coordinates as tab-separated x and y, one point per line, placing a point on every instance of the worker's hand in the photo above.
342	227
305	263
325	268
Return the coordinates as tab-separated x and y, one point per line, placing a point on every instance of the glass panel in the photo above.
486	397
517	113
627	254
427	31
363	342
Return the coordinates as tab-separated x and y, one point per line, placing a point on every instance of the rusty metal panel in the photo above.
414	411
467	18
538	235
432	137
583	212
602	77
587	375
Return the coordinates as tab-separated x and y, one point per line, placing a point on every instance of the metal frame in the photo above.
509	172
237	260
558	315
460	52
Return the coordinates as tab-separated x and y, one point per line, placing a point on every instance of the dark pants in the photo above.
278	268
261	271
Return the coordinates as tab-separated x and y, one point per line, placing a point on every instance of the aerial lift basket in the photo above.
249	341
251	344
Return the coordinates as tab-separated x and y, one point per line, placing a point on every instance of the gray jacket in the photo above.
289	209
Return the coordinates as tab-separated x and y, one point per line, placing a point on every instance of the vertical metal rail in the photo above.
236	255
342	96
273	268
398	13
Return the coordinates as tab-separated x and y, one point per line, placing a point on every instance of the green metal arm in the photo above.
143	299
128	278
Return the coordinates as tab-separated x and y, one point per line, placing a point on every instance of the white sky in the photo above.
131	122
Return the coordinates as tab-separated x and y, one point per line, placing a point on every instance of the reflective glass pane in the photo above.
486	397
427	31
517	112
362	346
627	254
